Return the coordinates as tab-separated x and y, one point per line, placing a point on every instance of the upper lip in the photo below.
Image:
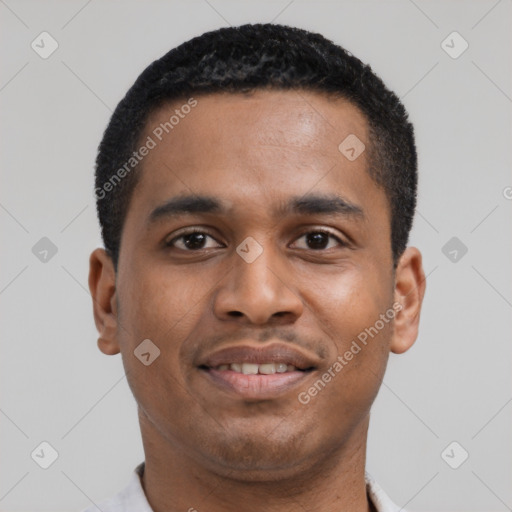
261	354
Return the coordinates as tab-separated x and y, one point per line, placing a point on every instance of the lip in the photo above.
258	387
261	354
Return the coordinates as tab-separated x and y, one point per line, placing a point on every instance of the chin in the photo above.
253	458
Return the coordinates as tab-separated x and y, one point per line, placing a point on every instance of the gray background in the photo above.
453	385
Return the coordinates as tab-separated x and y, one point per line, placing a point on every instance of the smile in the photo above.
256	372
255	369
256	386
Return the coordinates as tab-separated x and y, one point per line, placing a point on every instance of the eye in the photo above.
320	240
193	240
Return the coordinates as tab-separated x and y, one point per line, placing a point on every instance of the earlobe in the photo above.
409	292
102	285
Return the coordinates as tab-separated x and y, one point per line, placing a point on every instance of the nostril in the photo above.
236	313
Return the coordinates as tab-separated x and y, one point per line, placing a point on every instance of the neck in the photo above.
173	480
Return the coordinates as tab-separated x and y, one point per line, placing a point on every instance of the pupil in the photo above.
318	240
195	240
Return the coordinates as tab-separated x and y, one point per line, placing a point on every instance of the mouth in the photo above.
258	369
256	372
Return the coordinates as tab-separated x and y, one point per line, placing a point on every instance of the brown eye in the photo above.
193	241
319	240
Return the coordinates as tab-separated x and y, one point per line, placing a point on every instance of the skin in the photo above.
206	448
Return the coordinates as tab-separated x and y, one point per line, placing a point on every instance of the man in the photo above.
256	188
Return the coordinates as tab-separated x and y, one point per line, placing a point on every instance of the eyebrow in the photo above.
309	204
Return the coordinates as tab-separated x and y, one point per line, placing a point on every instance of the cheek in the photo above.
161	304
347	298
164	307
347	307
155	306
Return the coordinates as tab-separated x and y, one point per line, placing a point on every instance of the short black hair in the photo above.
243	59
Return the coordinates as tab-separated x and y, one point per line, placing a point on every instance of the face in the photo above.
257	258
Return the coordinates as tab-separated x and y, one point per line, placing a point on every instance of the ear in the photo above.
102	285
409	292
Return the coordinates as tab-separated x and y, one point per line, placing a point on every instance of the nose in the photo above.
260	292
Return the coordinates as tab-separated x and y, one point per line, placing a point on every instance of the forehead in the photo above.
302	123
252	149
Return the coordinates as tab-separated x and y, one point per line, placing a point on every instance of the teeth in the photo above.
250	368
268	368
281	368
254	369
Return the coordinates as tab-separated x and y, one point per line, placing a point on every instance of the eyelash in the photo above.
191	231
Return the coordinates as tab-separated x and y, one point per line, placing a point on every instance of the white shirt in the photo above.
133	499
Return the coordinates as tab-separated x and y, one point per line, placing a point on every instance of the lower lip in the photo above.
259	387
